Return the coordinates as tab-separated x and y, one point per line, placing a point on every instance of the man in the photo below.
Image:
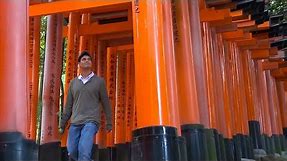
83	106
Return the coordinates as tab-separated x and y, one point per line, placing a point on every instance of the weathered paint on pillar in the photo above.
14	66
169	20
52	81
120	98
129	112
282	102
243	104
273	104
14	101
85	39
34	61
207	38
111	88
197	50
189	112
102	66
248	89
261	80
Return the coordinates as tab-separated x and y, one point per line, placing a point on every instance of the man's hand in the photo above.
61	131
109	127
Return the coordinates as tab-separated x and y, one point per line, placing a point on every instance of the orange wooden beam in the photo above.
95	29
264	26
72	5
115	35
260	53
223	22
250	23
226	28
246	42
207	15
128	48
267	65
236	35
260	44
238	15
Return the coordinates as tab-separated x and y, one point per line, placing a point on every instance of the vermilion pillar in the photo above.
253	105
282	112
155	126
228	100
238	103
101	66
85	39
213	151
34	61
214	45
129	110
198	58
267	132
246	149
186	83
111	87
14	85
129	113
120	109
274	111
49	142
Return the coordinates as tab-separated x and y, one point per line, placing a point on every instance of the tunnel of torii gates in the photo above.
187	79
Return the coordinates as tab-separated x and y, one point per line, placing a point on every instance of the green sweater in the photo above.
83	102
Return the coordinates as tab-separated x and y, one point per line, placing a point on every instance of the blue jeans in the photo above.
81	140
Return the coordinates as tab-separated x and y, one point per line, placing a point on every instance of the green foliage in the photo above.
276	7
42	41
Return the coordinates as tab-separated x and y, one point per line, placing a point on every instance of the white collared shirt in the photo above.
85	80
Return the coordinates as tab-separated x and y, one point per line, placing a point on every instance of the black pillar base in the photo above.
95	152
65	157
269	144
195	142
217	145
13	146
210	143
283	143
250	152
123	152
255	134
237	147
64	154
182	148
285	132
155	143
113	153
104	154
222	147
50	151
277	143
244	149
229	149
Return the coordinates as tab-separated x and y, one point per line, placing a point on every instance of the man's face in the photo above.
86	62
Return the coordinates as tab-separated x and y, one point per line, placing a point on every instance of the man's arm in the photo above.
106	105
68	109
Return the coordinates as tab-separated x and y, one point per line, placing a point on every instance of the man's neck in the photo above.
86	73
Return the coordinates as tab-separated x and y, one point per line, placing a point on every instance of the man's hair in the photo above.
83	53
